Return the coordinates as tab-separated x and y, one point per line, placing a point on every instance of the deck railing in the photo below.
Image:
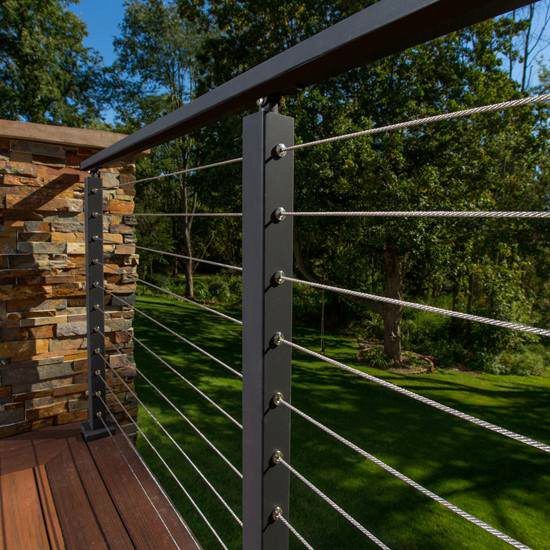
267	273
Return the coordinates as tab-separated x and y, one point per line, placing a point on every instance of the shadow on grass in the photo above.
502	482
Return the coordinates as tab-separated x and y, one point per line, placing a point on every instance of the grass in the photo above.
500	481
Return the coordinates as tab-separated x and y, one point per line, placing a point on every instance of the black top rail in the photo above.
387	27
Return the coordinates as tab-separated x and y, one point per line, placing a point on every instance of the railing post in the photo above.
93	223
268	183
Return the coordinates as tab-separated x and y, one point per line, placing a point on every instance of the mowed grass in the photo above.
498	480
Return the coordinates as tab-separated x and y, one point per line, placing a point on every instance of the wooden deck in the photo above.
58	492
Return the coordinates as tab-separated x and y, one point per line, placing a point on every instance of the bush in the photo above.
526	362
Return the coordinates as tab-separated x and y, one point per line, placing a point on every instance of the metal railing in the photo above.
267	271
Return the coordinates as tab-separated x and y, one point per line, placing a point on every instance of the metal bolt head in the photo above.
95	191
277	399
97	372
277	513
277	457
96	329
95	214
98	394
280	214
95	284
96	238
99	414
260	101
95	261
280	150
278	277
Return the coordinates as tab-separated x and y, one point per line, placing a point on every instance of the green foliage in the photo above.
525	362
46	73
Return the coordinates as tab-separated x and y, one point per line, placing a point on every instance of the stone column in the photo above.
42	274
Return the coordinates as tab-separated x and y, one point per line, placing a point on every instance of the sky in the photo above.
102	17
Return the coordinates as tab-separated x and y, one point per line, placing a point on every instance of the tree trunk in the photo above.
189	286
391	314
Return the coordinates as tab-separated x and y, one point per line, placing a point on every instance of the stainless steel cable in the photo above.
198	260
184	299
179	411
190	170
458	511
165	464
278	516
188	214
182	451
130	467
190	384
421	121
422	307
174	333
427	401
281	213
348	517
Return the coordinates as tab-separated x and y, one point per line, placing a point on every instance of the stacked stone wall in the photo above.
43	362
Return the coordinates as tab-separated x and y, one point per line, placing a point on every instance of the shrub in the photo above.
526	362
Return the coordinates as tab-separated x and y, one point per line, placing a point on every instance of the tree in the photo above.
154	74
424	168
46	73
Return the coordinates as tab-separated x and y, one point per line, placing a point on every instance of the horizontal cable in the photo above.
130	467
190	384
185	299
333	504
174	333
426	120
188	214
458	511
278	516
174	442
165	464
281	212
198	260
190	170
422	307
422	399
178	411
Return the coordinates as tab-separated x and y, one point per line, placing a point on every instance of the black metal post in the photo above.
268	183
93	216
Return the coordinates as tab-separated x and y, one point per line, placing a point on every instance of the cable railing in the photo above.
267	271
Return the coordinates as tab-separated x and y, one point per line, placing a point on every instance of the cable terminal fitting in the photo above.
277	399
280	150
277	457
277	339
277	513
278	277
279	214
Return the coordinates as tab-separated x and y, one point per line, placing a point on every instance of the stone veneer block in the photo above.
43	360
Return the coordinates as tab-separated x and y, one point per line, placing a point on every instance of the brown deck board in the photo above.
106	513
23	522
57	492
141	519
49	512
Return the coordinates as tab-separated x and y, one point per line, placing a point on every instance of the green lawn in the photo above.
500	481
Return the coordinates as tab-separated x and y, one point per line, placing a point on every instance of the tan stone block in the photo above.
70	390
15	181
77	248
112	238
122	249
69	417
37	203
19	169
24	349
68	237
68	289
67	345
120	207
40	321
121	228
39	413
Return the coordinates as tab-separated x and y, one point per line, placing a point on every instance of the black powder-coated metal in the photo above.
93	215
268	182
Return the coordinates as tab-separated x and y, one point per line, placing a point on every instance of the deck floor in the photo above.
56	491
